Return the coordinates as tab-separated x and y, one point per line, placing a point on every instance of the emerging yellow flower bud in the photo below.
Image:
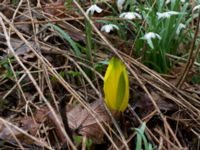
116	85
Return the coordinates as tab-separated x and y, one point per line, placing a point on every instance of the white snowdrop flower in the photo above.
130	15
167	14
137	9
149	36
196	8
93	8
180	27
109	27
148	8
120	4
167	1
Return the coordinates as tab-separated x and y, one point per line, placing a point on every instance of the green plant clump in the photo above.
167	21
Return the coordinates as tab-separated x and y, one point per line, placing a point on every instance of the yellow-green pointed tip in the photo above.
116	85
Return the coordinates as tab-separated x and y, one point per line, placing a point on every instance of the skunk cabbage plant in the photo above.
116	85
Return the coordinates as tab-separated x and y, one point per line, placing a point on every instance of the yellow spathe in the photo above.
116	85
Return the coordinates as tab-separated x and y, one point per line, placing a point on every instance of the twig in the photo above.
41	143
192	56
63	111
68	19
181	59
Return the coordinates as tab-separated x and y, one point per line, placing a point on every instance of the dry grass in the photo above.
44	70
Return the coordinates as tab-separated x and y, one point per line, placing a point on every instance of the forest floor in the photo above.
53	58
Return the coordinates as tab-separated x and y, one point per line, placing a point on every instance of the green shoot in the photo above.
66	36
141	139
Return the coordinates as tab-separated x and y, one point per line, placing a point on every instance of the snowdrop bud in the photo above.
109	27
149	36
167	1
120	4
180	27
196	8
167	14
92	9
130	15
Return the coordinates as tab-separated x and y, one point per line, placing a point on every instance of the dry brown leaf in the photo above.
6	10
55	9
20	21
145	103
162	103
82	121
19	47
28	125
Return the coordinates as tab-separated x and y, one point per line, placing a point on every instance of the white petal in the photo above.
148	8
94	8
130	15
149	36
150	43
167	1
196	8
137	15
180	27
120	4
167	14
109	27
